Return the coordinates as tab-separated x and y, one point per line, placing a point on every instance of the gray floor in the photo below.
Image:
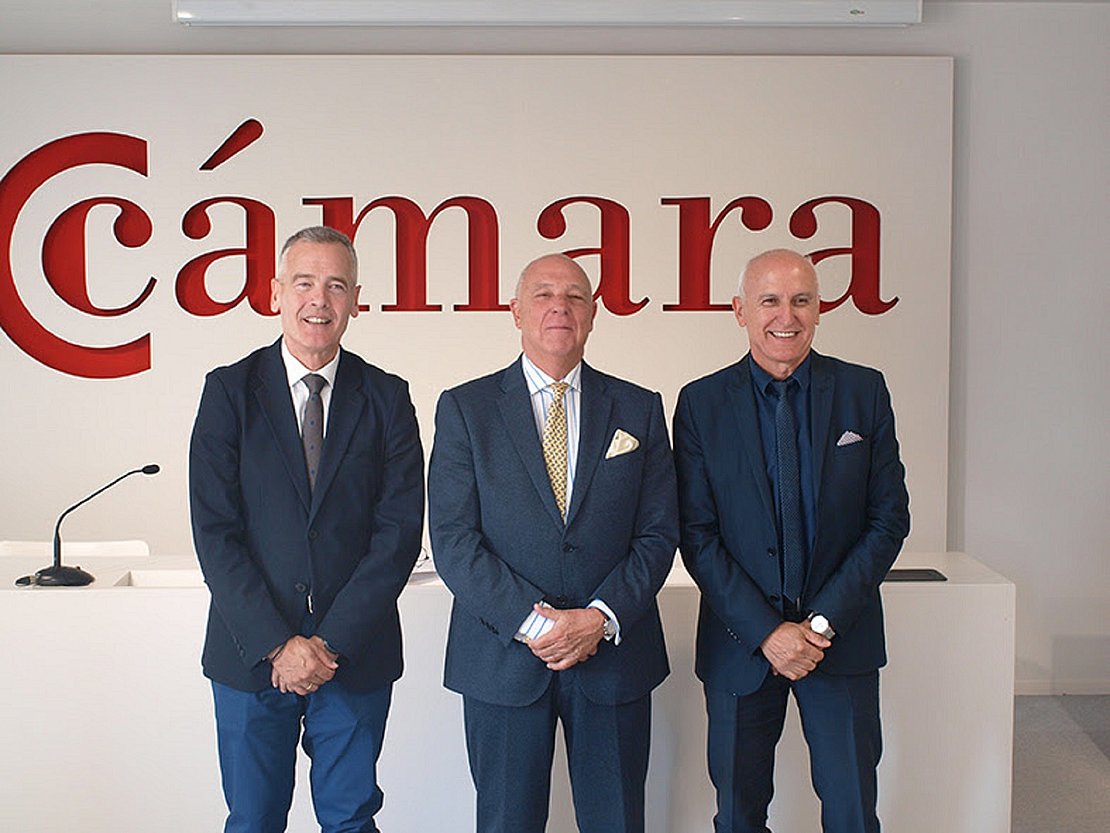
1061	764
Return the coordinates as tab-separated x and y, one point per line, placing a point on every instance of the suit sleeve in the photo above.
240	592
480	581
725	586
631	587
398	517
854	583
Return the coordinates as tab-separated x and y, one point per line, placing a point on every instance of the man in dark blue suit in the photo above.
553	517
794	506
307	499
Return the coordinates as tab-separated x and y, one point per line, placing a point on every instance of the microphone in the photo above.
58	576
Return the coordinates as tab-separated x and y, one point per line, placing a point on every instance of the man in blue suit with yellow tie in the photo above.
307	497
794	507
553	517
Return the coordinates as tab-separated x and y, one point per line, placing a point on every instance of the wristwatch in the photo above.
608	628
819	624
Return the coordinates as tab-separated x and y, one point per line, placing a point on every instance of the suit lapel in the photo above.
345	410
271	389
515	406
821	401
751	441
595	407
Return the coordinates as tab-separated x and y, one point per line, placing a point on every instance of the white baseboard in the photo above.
1056	687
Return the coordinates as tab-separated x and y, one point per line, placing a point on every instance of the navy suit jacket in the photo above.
729	534
266	542
500	544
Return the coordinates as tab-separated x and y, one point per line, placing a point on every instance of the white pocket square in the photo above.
622	443
848	438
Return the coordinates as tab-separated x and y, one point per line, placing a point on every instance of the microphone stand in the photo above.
58	576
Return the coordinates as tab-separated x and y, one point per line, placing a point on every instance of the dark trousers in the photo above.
510	750
840	721
340	730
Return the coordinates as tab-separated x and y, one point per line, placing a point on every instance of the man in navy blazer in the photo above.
305	548
769	625
554	575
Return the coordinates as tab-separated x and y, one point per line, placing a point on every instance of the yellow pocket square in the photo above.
622	443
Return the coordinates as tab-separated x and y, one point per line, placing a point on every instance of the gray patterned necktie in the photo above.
312	426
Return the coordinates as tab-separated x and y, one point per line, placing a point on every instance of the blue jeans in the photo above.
340	730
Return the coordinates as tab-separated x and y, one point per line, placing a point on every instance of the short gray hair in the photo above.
320	234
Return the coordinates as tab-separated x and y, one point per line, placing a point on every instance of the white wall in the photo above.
432	127
1029	468
1029	471
1029	474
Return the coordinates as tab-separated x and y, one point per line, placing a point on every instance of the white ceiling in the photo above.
145	26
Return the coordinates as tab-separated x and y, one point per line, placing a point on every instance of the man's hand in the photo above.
302	665
573	639
794	650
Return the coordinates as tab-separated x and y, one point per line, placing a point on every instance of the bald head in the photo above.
554	310
774	259
778	304
556	261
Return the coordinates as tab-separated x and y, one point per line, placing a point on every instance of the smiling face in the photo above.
316	294
779	307
554	310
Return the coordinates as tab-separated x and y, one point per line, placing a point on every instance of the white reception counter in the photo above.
110	722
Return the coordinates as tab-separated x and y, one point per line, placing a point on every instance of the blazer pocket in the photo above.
861	446
624	455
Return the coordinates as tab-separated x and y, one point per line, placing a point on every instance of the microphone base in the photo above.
62	577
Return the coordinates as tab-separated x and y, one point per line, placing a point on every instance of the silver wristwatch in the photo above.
819	624
608	629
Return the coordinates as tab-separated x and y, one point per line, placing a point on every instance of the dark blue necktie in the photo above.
790	494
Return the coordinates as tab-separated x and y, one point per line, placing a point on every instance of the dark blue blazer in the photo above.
729	537
500	544
265	542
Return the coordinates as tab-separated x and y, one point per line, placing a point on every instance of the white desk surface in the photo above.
166	572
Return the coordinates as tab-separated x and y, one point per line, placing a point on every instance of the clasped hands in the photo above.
573	638
302	665
794	650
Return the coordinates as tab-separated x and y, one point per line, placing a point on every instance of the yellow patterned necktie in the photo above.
555	446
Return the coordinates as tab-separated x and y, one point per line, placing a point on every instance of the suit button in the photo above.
299	587
560	601
569	548
773	599
312	534
771	552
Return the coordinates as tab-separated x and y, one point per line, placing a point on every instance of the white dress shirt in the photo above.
295	373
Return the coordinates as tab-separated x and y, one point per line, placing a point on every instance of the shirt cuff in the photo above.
609	614
535	626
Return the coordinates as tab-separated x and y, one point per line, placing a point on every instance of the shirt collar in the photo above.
762	379
295	371
538	380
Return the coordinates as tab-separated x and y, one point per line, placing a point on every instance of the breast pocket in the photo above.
615	488
622	466
849	468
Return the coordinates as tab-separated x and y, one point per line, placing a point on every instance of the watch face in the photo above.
819	624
